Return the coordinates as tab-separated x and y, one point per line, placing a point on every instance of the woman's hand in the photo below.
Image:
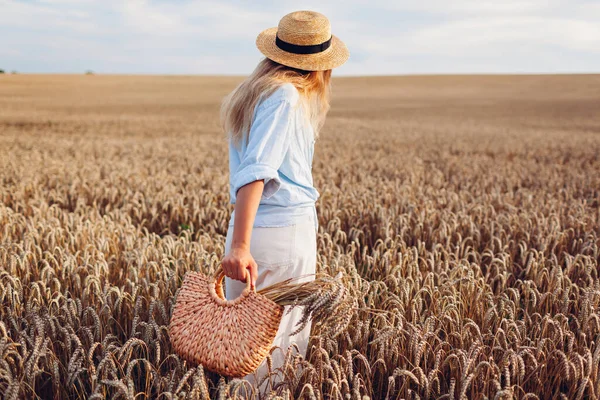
236	262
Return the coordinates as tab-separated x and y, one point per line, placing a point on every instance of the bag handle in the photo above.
220	276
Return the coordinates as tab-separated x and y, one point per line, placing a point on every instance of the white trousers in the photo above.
280	253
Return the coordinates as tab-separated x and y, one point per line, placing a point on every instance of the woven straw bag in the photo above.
230	337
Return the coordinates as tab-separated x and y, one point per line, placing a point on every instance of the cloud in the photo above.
479	36
205	19
484	34
384	37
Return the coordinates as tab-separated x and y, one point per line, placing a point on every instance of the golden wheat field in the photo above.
463	210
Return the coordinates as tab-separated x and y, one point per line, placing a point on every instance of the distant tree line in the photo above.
87	72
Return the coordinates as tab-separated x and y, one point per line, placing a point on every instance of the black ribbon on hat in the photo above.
299	49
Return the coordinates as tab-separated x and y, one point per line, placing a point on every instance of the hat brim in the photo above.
333	57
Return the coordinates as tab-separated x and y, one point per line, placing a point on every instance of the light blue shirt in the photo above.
278	149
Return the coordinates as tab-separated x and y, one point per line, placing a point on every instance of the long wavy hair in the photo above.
237	108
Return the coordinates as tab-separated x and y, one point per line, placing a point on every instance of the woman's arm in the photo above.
239	258
257	176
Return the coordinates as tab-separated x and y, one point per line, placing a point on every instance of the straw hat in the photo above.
303	40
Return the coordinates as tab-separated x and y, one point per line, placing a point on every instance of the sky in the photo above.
218	36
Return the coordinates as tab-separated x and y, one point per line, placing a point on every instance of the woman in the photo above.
273	119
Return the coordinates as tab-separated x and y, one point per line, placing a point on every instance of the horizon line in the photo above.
93	73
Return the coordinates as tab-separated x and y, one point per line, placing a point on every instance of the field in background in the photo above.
464	211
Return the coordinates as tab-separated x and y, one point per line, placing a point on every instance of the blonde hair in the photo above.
237	109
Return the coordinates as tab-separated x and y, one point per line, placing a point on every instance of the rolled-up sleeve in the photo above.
267	144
